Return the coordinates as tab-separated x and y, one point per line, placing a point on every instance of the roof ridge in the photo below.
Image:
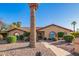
55	25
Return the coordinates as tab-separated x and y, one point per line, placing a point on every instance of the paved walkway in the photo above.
57	51
22	49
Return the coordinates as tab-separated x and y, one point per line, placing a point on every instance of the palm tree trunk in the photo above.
74	28
32	29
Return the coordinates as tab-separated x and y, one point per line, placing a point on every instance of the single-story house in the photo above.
52	30
47	31
17	31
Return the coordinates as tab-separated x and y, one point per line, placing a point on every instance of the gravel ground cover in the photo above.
22	49
62	44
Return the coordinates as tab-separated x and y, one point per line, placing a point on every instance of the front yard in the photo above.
22	49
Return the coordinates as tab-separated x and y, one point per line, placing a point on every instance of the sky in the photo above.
61	14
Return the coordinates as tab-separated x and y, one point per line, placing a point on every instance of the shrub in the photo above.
20	37
75	34
49	38
68	38
45	38
11	39
26	34
26	38
60	34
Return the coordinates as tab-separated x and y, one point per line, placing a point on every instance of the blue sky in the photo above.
46	14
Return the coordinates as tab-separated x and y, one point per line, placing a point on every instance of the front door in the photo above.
52	35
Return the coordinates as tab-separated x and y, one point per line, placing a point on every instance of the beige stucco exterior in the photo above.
55	29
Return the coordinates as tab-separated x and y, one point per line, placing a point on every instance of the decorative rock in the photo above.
76	45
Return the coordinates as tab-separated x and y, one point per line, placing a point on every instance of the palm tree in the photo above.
14	24
33	8
74	23
18	24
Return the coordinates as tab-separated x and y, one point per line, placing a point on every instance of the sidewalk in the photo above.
56	50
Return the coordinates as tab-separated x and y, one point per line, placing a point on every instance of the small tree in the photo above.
18	24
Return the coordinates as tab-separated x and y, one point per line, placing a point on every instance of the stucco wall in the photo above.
54	29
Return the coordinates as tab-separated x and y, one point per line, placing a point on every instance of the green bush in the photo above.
11	39
45	38
68	38
60	34
26	34
20	37
75	34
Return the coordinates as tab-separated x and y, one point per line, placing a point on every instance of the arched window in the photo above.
52	35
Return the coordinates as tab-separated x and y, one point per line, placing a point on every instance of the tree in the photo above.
4	27
14	24
77	29
1	23
74	23
18	24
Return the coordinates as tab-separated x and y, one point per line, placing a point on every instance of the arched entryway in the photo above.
52	35
16	34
